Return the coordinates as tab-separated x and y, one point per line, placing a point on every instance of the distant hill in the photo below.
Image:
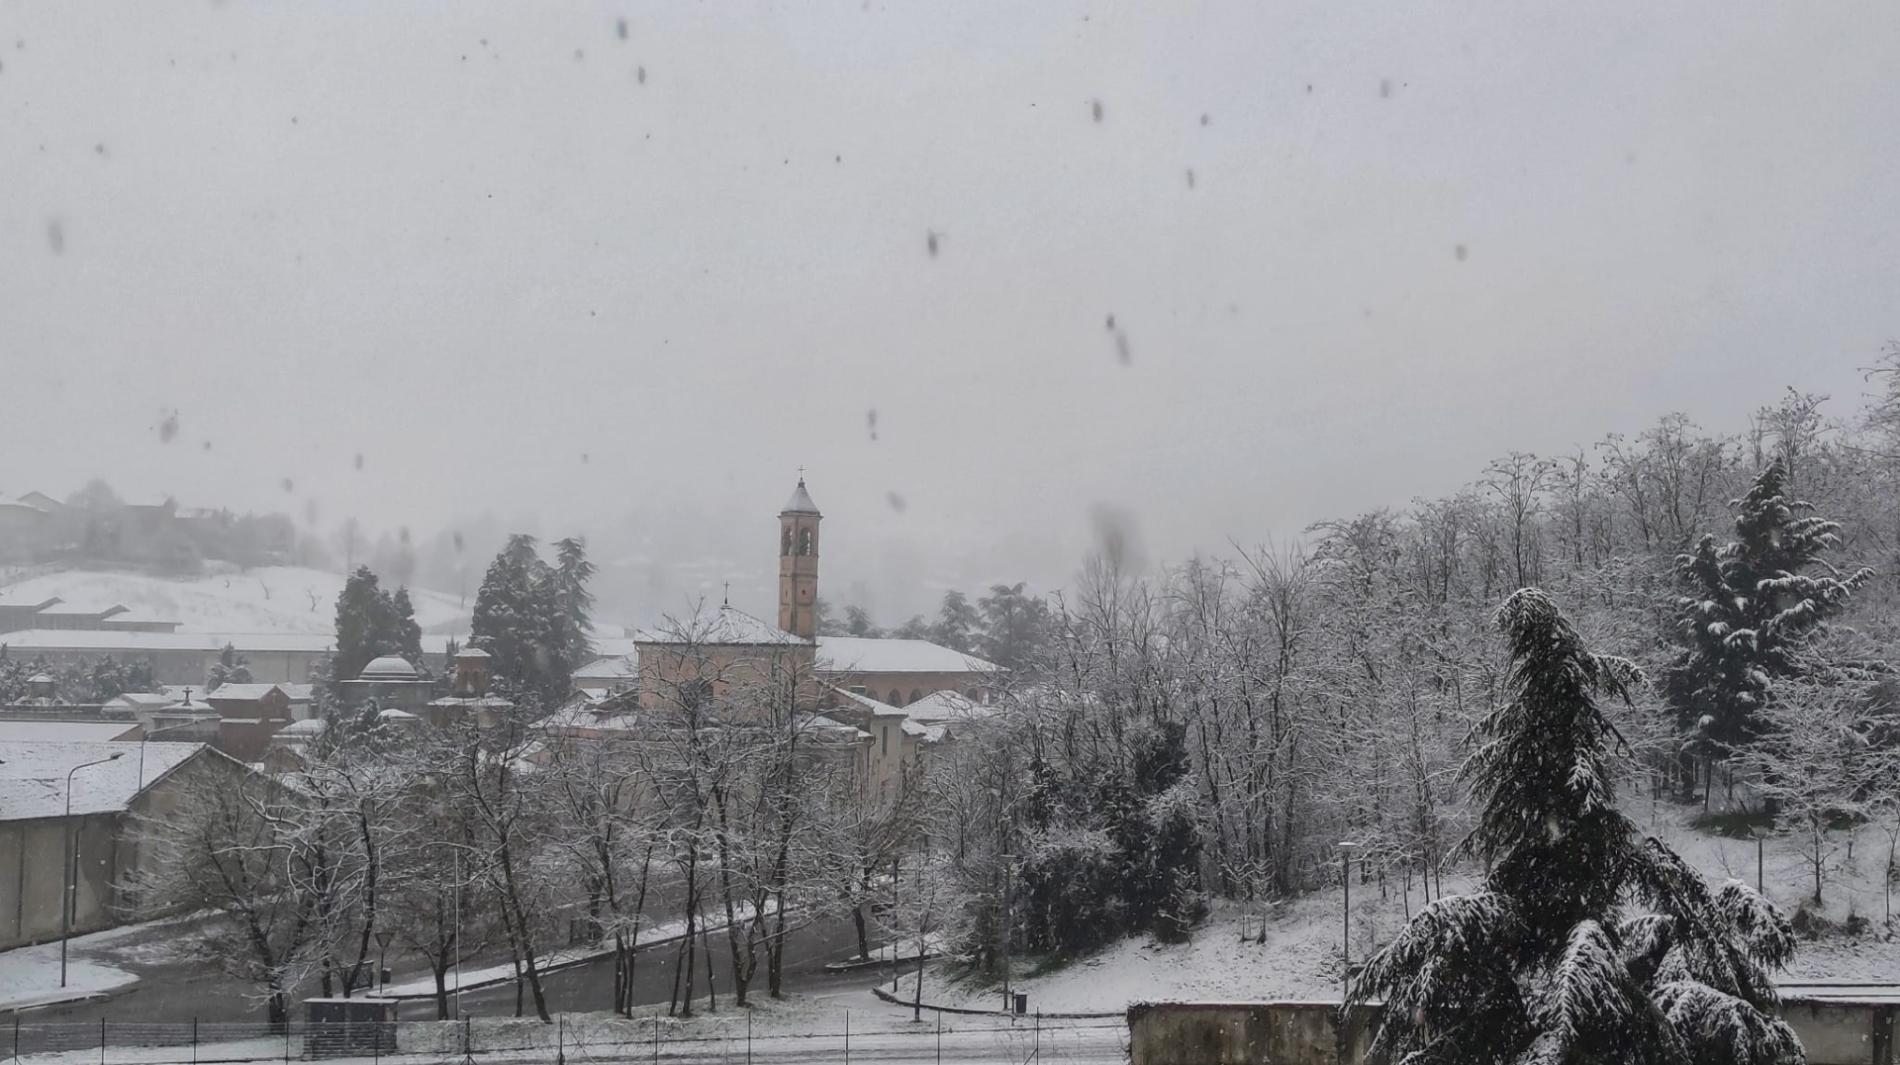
263	599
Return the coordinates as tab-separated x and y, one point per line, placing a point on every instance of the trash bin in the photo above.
1022	1003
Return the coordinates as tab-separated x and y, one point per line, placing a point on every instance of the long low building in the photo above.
185	657
119	781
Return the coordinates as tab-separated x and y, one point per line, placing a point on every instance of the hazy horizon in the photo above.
1222	273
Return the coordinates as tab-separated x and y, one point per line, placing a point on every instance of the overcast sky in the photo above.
523	261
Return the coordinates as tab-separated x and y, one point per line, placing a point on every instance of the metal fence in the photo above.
729	1039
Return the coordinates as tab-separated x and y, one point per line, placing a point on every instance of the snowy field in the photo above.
265	599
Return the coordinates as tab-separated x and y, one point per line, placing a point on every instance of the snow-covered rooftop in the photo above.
859	654
148	700
946	706
16	730
388	667
82	610
611	667
800	503
244	692
726	627
33	775
885	710
120	640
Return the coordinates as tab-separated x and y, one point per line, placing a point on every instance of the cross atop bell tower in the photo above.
798	563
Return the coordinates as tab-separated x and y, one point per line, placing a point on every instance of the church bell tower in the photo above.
798	564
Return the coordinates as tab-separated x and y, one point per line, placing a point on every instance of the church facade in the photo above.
862	683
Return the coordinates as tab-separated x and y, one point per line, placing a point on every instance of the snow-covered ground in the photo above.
265	599
97	963
29	976
1300	959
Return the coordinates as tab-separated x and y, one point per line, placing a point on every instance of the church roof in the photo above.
859	654
726	627
800	503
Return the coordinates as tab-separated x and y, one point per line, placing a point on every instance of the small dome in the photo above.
388	667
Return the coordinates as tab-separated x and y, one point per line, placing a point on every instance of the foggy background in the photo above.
997	275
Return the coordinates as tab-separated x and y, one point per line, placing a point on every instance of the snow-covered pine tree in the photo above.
359	611
1750	612
574	603
514	619
403	627
230	668
1587	943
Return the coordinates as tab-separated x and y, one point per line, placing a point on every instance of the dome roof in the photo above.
800	503
388	667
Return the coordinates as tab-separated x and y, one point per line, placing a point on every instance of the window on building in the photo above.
896	698
785	541
884	740
804	541
915	694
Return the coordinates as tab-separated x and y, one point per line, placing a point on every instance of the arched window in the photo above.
896	699
785	541
915	694
975	695
804	541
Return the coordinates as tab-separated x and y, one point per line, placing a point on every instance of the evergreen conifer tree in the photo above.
1750	613
1551	962
405	633
574	608
514	620
230	668
957	622
362	629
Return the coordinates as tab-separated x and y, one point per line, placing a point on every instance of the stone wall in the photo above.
1835	1032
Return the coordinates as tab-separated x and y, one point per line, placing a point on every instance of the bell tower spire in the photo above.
798	563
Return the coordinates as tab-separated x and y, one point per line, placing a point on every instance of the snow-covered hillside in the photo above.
1299	959
266	599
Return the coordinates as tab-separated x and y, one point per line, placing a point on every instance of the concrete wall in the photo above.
33	858
1308	1033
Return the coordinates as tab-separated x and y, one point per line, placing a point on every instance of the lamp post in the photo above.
383	936
1009	860
1346	847
72	863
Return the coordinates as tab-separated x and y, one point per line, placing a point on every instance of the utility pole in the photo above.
69	907
1346	847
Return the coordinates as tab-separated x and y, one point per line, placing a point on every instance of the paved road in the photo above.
179	990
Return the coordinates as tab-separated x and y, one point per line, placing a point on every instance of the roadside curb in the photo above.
9	1010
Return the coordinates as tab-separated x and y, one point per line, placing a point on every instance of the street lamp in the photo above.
383	936
72	863
1346	847
1009	860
